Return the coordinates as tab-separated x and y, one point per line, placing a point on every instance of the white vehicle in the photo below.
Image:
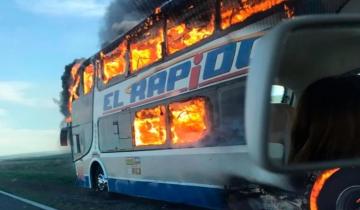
159	113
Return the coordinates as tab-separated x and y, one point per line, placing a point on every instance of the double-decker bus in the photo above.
159	112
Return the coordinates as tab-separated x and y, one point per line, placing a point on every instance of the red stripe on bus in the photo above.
194	77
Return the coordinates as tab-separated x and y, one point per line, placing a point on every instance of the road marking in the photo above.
33	203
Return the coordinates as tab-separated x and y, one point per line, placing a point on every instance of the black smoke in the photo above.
122	15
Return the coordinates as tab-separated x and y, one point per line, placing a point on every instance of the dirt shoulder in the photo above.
51	180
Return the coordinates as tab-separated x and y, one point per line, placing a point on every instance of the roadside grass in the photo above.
42	179
57	168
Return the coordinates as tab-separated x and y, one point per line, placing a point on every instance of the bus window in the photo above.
187	28
115	132
150	126
189	120
88	78
74	88
277	94
146	47
75	82
114	62
233	12
232	107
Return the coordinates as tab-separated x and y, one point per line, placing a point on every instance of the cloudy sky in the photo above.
37	38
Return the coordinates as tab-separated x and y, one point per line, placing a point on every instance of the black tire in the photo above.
98	180
341	191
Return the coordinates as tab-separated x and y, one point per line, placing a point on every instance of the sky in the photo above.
37	39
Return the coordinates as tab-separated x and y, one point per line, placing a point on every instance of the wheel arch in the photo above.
96	163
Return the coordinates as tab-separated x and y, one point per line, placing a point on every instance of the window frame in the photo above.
209	118
237	83
211	94
167	16
79	90
117	116
137	31
120	77
83	82
166	145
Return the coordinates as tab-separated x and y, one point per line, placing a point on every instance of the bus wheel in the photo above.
100	182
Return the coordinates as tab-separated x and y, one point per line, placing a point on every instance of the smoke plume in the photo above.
122	15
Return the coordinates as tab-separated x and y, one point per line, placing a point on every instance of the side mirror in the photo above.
315	125
64	137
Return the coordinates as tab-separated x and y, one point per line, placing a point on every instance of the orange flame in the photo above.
150	126
290	12
75	81
147	49
318	185
157	10
233	12
68	119
114	63
189	123
88	78
182	35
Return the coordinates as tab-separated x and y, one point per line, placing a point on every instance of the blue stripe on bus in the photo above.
193	195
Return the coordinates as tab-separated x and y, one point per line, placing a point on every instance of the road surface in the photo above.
12	202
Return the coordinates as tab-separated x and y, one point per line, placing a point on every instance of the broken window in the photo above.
88	78
233	12
146	45
150	126
187	28
114	62
189	120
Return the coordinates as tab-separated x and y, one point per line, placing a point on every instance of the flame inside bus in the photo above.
189	121
73	87
147	48
114	63
187	33
233	12
88	78
150	126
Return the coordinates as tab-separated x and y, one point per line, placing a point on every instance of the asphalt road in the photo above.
11	203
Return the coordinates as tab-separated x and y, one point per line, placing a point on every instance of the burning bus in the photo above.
159	112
